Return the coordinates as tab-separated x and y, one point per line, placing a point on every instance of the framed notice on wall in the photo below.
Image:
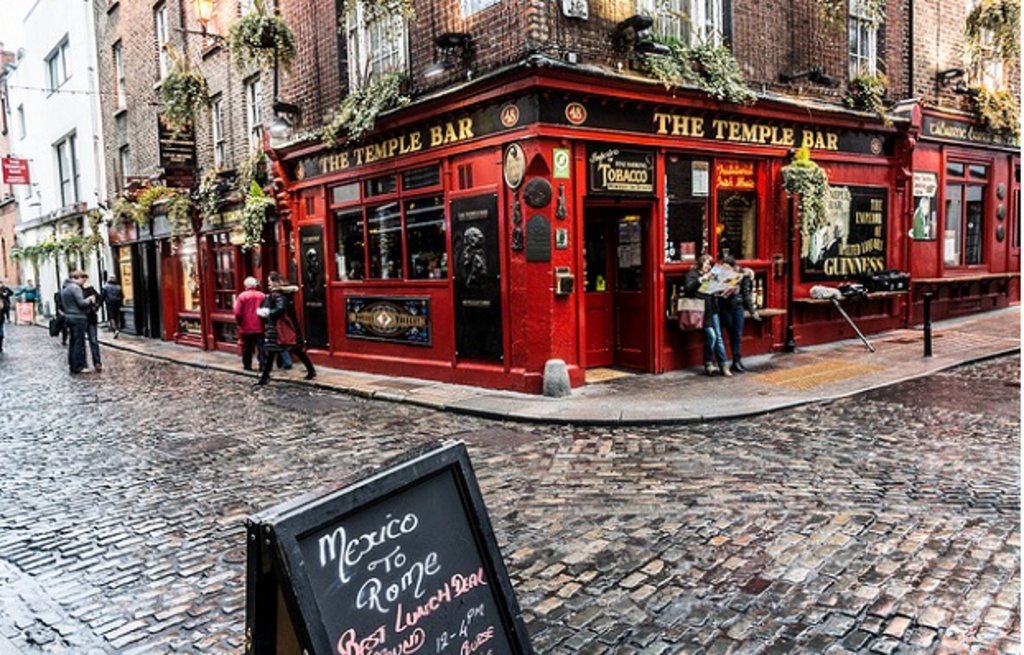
403	561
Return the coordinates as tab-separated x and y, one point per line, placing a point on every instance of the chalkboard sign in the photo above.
404	561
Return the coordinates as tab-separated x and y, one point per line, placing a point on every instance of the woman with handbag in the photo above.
281	331
714	345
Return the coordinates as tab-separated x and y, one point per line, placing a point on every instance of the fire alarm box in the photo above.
564	281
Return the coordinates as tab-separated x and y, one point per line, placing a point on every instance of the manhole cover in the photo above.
496	437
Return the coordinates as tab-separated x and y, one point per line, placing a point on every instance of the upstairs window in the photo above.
119	77
124	160
217	131
254	111
67	170
162	37
691	22
864	28
21	122
986	64
376	48
57	66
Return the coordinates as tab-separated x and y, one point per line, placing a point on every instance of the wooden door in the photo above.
599	248
630	293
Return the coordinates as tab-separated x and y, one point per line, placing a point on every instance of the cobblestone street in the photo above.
883	523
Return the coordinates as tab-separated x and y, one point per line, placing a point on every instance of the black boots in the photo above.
738	367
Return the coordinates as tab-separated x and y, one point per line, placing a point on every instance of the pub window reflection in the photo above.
350	251
384	241
736	222
425	238
686	218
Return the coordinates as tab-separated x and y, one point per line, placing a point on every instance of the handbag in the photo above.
286	333
691	313
56	325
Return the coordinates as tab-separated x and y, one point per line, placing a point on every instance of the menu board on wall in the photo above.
402	561
852	241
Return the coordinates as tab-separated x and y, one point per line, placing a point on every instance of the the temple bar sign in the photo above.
744	131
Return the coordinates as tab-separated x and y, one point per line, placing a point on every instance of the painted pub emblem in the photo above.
575	113
401	320
510	115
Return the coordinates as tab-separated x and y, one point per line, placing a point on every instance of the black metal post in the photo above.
928	324
790	344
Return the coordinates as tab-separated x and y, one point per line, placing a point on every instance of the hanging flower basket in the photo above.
183	92
260	38
254	214
806	180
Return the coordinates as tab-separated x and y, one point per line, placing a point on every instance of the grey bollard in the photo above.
556	379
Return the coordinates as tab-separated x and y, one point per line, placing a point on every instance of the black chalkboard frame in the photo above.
300	518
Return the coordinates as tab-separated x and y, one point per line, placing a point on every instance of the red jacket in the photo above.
245	311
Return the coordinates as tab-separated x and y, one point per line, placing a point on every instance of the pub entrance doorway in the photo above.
617	287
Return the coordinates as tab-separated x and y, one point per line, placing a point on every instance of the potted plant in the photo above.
261	38
183	92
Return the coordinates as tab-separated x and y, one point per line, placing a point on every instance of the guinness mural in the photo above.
851	243
314	307
478	333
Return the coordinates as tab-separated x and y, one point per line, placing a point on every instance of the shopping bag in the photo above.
691	313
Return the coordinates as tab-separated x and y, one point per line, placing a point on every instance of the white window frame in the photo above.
254	112
375	49
57	65
863	41
67	180
470	7
120	82
217	130
162	37
692	22
22	127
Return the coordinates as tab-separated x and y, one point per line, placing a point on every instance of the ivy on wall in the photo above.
713	69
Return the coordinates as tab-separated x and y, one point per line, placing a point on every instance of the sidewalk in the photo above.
775	381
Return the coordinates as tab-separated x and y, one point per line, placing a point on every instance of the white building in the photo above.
55	124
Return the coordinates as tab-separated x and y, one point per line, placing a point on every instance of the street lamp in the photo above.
204	13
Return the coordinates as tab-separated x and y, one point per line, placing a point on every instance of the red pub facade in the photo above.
550	214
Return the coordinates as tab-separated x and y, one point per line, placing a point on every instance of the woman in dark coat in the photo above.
278	307
733	308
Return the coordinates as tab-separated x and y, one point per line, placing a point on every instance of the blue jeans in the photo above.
713	344
76	343
732	320
94	344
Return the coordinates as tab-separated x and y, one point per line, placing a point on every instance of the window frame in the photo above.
364	203
124	162
370	53
162	35
120	79
71	181
22	126
965	182
862	58
57	65
217	130
692	22
254	111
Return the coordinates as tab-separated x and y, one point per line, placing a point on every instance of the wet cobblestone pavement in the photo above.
883	523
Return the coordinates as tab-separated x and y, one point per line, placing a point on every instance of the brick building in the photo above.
10	272
543	192
179	289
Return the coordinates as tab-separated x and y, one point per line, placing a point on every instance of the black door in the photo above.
478	325
314	285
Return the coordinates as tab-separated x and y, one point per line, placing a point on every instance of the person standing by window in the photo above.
114	297
714	346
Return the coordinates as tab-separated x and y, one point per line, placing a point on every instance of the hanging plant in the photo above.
207	195
833	13
254	214
179	215
95	237
358	112
73	245
1000	19
261	38
711	68
805	179
251	169
999	111
124	212
183	92
374	10
867	93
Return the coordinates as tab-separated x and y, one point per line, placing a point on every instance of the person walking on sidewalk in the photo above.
714	346
281	330
5	301
250	327
58	311
92	322
3	319
114	297
732	311
75	308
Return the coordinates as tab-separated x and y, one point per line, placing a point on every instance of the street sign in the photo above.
400	561
15	171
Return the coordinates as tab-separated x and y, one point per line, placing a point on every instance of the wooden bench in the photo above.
874	295
955	283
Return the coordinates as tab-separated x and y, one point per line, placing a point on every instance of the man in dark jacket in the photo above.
5	301
76	307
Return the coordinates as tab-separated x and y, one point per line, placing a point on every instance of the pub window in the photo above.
421	178
686	224
189	276
864	29
344	193
384	241
736	215
691	22
965	211
425	238
351	249
375	47
381	186
225	285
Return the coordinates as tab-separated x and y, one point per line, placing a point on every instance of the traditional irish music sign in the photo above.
404	561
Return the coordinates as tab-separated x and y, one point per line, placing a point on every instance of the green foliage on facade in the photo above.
358	112
261	38
713	69
806	180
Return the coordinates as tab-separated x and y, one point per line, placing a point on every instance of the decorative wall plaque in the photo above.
537	192
514	165
538	239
